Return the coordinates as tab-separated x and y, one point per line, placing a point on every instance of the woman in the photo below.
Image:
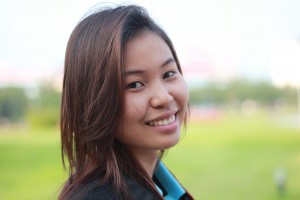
123	103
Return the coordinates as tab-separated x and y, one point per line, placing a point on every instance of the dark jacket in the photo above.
163	178
106	192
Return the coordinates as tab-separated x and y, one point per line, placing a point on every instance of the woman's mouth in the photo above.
163	122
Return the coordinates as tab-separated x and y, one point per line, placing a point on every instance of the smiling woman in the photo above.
155	97
124	101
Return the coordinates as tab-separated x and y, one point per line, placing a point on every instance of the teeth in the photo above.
164	122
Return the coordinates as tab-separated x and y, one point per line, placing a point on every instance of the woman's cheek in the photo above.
134	105
182	92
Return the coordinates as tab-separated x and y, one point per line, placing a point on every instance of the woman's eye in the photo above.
135	85
169	74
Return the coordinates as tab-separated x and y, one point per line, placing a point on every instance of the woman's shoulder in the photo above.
137	190
95	190
98	192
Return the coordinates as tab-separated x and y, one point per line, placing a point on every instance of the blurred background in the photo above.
241	60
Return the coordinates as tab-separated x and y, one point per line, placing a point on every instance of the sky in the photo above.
216	40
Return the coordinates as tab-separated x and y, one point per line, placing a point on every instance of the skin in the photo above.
155	90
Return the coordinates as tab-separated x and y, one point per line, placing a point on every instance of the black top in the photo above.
163	178
106	191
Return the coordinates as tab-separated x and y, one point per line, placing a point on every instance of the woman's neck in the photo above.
147	159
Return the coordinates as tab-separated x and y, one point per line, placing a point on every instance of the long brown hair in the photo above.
93	100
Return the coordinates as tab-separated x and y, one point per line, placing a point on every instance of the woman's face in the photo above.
156	95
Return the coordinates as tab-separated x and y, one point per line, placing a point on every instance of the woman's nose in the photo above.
161	97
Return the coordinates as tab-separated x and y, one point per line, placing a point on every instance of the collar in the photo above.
168	184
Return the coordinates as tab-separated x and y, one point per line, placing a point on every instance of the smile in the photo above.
162	122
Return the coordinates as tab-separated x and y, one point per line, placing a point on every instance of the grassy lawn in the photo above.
236	158
30	165
233	157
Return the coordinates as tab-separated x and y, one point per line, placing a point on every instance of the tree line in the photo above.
240	90
17	104
38	107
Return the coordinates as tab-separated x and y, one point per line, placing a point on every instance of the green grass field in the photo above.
231	158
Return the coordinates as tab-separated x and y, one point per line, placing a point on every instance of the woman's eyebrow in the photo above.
170	60
137	71
131	72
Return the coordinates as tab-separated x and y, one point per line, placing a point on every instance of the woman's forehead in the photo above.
145	48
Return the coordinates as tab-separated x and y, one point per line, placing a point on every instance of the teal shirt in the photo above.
172	189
